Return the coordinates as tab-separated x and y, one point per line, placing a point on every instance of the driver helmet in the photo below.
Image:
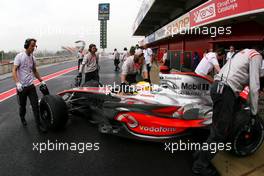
143	86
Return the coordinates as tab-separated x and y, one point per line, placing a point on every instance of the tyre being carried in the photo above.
54	112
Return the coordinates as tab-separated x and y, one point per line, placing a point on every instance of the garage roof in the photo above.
154	14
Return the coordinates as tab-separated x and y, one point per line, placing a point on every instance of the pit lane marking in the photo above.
10	93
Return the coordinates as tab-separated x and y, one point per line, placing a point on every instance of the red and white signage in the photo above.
174	27
209	12
217	10
178	25
205	13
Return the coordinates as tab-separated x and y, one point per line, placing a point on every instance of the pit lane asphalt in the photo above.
116	156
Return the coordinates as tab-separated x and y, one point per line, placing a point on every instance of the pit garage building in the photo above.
186	26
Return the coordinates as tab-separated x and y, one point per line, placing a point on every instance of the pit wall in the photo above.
7	68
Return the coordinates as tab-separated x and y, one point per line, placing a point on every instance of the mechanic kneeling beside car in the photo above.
132	67
242	70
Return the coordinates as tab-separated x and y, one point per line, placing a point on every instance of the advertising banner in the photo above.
211	11
216	10
178	25
173	27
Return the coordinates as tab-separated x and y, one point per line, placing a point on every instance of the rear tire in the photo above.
248	134
54	111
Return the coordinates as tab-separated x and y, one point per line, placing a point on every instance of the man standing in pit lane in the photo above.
80	53
148	55
165	59
242	70
125	55
80	56
210	61
132	51
231	52
137	48
116	59
90	65
24	71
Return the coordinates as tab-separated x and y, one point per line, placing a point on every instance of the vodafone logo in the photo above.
157	129
205	13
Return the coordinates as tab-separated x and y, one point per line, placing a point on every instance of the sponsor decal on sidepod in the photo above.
157	129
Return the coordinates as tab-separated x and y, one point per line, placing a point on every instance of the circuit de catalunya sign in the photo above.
217	10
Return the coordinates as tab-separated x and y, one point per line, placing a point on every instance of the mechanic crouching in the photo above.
132	66
24	71
242	70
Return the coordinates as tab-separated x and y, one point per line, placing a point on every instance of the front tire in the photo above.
54	112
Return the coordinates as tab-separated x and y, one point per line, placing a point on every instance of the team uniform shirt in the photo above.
147	54
229	55
129	67
25	65
242	70
125	56
116	55
207	64
138	51
89	63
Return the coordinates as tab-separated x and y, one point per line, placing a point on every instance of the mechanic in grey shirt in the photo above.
24	71
246	70
242	70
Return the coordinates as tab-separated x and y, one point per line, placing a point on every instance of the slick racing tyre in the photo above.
248	134
53	111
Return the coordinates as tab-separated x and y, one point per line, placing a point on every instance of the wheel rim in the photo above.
45	114
249	139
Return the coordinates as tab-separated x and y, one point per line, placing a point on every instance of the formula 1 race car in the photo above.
179	104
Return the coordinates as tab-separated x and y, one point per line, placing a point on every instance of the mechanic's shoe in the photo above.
23	121
208	171
42	128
